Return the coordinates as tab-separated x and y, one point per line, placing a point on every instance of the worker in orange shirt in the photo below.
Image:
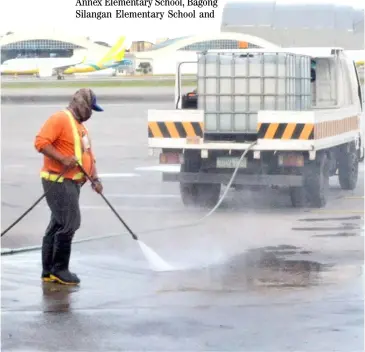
64	142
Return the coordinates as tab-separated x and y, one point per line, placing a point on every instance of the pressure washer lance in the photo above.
110	206
45	193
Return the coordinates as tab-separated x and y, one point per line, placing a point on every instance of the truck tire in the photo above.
197	194
316	184
297	197
348	166
317	181
202	195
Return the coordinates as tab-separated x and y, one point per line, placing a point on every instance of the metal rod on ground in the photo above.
110	206
33	206
21	217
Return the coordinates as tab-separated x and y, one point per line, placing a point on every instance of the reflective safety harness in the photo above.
78	153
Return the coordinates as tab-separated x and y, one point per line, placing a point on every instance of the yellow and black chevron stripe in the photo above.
172	129
302	131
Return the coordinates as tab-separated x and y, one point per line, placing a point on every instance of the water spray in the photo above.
153	258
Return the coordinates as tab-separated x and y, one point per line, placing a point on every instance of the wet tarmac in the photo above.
262	300
258	275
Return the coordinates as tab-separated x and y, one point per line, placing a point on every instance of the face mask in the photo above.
81	104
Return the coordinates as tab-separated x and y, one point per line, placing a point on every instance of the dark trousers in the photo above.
63	201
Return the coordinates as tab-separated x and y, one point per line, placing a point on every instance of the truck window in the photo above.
313	71
313	82
324	90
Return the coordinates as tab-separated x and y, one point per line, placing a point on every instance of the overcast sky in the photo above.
46	15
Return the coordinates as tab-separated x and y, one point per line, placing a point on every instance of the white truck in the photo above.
300	115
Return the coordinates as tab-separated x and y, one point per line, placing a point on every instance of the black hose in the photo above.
34	205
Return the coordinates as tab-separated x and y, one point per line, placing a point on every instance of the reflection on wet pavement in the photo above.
57	298
262	267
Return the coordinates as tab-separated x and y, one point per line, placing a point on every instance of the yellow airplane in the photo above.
46	67
113	58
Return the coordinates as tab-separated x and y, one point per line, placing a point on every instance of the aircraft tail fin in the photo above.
115	50
120	55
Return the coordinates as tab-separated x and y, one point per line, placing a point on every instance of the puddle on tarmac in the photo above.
259	268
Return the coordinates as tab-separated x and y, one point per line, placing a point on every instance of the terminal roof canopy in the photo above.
298	25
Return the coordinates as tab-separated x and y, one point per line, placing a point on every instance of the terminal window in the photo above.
37	49
219	44
40	44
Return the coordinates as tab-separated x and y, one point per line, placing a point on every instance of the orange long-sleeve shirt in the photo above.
57	131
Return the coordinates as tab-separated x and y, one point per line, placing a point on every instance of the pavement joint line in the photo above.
118	174
357	197
147	196
9	251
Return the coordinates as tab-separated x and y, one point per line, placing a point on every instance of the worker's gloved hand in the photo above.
69	161
97	186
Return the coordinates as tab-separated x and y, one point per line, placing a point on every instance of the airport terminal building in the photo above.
161	58
48	45
244	25
164	57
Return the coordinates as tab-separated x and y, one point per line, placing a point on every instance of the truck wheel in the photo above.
297	197
197	194
316	184
316	181
203	195
348	166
